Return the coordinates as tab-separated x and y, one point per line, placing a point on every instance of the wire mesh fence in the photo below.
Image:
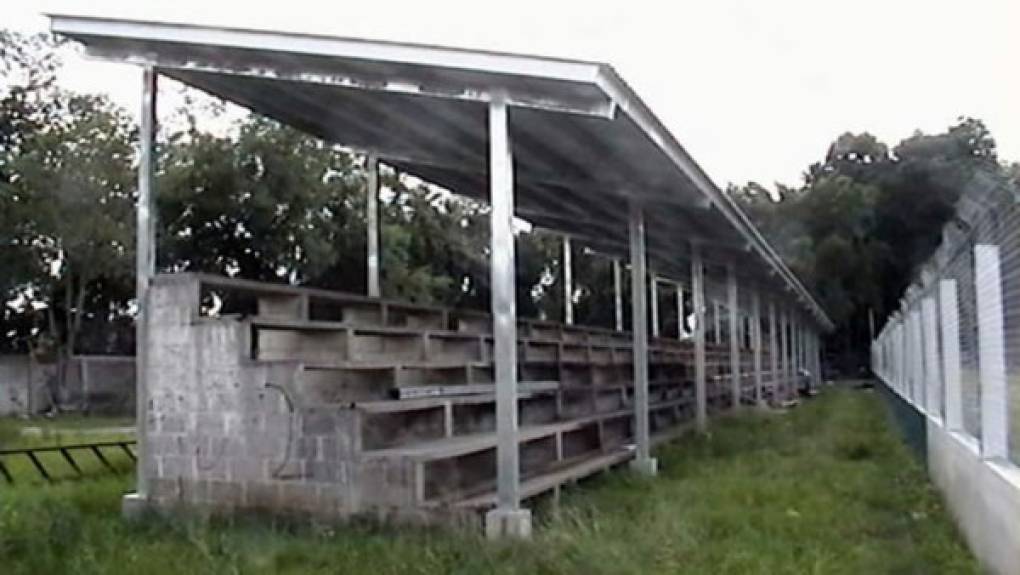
953	348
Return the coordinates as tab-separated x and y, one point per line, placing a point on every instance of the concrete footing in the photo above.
133	506
500	523
648	466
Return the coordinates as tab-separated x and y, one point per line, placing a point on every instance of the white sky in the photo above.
755	90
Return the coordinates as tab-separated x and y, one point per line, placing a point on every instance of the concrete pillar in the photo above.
639	291
933	364
950	324
917	358
508	518
991	353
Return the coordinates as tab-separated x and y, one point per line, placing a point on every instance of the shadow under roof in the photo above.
584	144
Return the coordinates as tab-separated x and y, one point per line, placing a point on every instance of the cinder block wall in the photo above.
222	431
19	377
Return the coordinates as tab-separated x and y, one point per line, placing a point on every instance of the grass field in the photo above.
826	488
63	430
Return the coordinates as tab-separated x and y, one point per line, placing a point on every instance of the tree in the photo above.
66	207
868	216
273	204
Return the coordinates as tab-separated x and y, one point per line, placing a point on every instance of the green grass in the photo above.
62	430
827	488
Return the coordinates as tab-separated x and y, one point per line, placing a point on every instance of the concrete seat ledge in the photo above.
560	473
563	472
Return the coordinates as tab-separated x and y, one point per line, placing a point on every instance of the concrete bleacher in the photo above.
291	399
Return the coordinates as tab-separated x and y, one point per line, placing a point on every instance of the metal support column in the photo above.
698	299
756	343
639	291
716	323
795	344
508	518
618	293
681	330
568	283
372	223
654	303
732	305
773	350
145	269
784	344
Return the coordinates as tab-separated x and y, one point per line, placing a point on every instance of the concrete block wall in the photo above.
224	432
22	385
96	384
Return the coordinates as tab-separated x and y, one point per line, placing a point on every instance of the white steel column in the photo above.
716	323
795	355
756	343
372	223
508	518
618	293
568	283
949	312
681	329
773	350
145	269
732	304
816	356
933	371
654	303
991	353
639	326
698	299
784	344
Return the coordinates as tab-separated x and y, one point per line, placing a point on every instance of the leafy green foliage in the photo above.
868	216
272	204
66	204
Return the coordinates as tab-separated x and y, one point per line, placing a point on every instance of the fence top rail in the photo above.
53	448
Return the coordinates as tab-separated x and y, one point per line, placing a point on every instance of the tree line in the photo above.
267	202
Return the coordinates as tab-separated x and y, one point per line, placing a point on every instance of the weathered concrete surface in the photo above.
264	407
984	497
224	433
103	384
22	385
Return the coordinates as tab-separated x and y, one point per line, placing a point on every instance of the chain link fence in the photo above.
953	347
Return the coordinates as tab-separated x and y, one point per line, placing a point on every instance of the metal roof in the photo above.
584	144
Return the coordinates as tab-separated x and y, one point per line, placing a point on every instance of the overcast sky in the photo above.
755	90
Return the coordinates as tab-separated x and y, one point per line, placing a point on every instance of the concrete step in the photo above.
559	474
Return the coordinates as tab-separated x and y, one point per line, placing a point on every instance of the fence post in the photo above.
933	373
917	358
991	352
949	311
